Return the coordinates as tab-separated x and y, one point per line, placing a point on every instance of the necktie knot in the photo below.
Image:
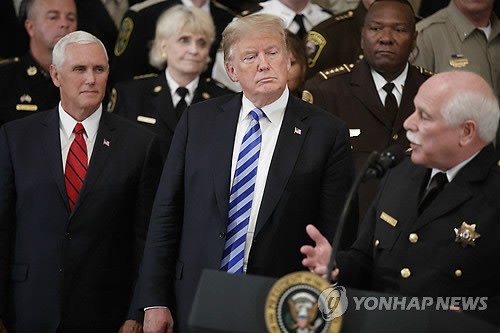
182	92
436	185
257	114
79	129
299	19
388	87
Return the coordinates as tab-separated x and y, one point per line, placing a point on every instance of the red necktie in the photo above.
76	165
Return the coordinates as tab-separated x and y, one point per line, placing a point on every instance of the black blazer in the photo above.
148	102
72	270
438	264
308	181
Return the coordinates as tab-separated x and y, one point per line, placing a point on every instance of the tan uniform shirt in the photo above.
448	41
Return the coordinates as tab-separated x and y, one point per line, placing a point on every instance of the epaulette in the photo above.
144	4
8	61
145	76
344	16
225	8
424	71
251	10
331	72
214	81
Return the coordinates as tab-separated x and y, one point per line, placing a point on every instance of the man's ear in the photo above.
28	25
231	72
468	132
54	74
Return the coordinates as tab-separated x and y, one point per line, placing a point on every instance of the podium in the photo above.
235	303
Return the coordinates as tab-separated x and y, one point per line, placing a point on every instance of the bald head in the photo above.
456	115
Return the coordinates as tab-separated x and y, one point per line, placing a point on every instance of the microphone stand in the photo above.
345	212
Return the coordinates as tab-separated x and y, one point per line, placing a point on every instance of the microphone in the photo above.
379	163
375	166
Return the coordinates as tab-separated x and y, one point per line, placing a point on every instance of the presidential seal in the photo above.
296	303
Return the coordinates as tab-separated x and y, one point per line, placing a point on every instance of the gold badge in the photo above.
314	45
123	36
147	120
458	61
304	302
32	70
389	219
466	234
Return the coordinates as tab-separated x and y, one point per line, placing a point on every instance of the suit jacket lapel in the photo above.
103	146
459	190
51	142
368	96
225	123
163	107
288	147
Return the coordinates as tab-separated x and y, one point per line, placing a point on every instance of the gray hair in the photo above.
473	105
79	37
254	23
174	20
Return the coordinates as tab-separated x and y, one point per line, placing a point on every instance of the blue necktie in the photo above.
240	200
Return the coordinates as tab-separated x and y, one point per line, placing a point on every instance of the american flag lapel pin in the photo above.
297	131
106	142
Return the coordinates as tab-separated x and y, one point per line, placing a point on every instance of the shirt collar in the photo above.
205	7
399	82
274	111
67	123
173	85
451	173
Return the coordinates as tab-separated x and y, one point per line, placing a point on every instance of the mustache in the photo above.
413	137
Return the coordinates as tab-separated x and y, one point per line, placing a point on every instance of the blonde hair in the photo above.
175	19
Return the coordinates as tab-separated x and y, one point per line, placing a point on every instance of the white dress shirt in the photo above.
399	84
270	127
66	126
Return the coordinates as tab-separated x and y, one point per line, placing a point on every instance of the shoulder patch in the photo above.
8	61
331	72
112	101
307	96
424	71
251	10
126	28
344	16
145	76
214	81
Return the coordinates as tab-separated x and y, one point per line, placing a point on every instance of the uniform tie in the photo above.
391	105
240	200
76	165
435	187
299	19
181	105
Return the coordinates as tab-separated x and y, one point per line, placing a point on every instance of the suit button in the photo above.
377	242
222	235
405	273
458	273
413	238
68	236
395	137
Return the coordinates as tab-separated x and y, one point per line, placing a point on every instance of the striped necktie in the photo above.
240	200
76	165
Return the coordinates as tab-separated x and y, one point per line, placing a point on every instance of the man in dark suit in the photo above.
356	93
428	243
69	252
301	174
25	81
